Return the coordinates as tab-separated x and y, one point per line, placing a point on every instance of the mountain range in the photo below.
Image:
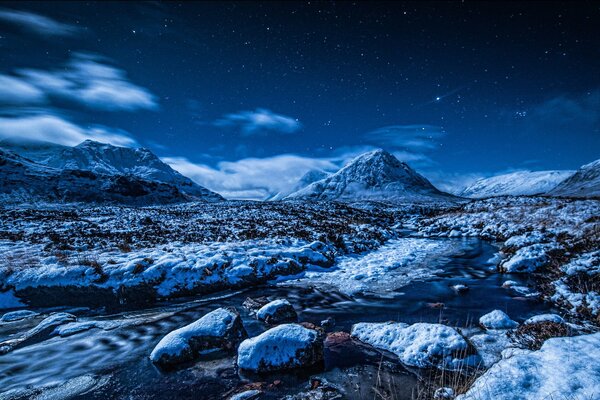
92	172
102	173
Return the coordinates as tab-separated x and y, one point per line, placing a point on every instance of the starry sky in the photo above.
246	97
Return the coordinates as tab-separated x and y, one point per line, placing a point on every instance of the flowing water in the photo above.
113	362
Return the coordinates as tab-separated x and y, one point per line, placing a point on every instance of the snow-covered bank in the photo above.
566	368
119	255
553	240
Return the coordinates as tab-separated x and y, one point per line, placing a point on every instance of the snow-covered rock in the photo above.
528	259
376	175
584	183
219	329
497	320
277	312
516	184
420	345
17	315
563	368
490	346
460	288
283	347
443	393
545	318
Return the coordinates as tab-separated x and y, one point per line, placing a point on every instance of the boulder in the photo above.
497	320
277	312
220	329
420	345
283	347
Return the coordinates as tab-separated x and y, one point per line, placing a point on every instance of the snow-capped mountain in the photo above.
311	176
516	184
94	172
376	175
585	182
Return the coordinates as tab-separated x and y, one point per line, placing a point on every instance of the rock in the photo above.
277	312
219	329
420	345
497	320
44	330
460	288
318	391
328	323
18	315
283	347
444	393
253	305
247	395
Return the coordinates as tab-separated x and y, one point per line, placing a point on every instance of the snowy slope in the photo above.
516	184
49	172
376	175
584	183
311	176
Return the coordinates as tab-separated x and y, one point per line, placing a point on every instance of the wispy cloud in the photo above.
17	91
409	143
567	110
56	129
259	121
251	178
37	23
88	80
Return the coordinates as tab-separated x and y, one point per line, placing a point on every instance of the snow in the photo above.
444	393
390	267
516	184
497	320
18	315
490	346
177	343
420	345
246	395
277	348
269	309
376	175
545	318
528	258
584	183
566	367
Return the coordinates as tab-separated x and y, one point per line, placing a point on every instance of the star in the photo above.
438	98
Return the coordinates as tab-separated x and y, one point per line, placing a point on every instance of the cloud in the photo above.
583	110
37	23
250	178
454	182
409	143
87	80
18	91
55	129
259	121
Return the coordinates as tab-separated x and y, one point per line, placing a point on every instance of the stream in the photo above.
405	280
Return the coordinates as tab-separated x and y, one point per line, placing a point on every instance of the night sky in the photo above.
246	97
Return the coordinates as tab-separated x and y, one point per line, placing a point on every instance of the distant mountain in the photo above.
311	176
585	182
93	172
516	184
376	175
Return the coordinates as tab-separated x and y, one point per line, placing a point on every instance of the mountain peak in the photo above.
375	175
